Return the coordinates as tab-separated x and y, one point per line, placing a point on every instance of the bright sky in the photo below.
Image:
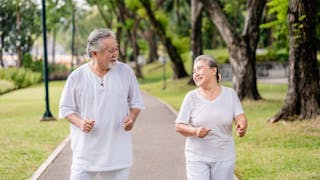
82	4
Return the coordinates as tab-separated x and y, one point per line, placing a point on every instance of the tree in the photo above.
19	26
196	33
196	24
178	67
277	25
126	15
303	96
242	48
6	18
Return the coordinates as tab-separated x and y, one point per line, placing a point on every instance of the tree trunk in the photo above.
150	36
122	47
1	47
103	15
196	33
242	49
125	14
177	63
303	96
136	50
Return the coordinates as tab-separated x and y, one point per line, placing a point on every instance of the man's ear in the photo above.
94	53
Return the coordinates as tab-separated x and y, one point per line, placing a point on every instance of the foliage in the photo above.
20	76
20	24
235	12
35	66
87	21
58	72
277	13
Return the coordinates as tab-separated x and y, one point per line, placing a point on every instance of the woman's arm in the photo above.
188	131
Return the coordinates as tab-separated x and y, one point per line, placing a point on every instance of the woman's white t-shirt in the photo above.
108	146
216	115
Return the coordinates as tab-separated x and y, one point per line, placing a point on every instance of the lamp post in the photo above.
47	116
163	60
72	40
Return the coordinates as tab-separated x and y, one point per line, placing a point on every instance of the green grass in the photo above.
25	142
284	150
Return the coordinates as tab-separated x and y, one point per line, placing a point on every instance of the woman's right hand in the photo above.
202	132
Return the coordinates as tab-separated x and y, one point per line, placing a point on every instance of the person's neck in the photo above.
210	91
98	70
210	87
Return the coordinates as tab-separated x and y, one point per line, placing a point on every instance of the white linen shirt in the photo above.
216	115
107	146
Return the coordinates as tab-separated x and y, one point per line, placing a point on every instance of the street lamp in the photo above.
163	60
47	116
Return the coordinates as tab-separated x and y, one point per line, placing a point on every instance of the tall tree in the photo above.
6	18
196	33
242	48
196	24
21	26
303	97
130	22
175	57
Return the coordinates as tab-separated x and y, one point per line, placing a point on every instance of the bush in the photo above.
21	77
58	72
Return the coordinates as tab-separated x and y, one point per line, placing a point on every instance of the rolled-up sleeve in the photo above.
134	96
67	104
184	115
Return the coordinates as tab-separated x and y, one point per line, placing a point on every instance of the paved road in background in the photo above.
158	149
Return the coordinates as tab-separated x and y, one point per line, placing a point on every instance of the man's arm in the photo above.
85	125
130	120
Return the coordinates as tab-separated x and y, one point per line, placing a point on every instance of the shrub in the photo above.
21	77
58	72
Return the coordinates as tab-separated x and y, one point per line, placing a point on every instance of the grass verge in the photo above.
25	141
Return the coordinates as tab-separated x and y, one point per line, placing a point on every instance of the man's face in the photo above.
109	54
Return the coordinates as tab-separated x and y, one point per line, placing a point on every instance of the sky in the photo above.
80	3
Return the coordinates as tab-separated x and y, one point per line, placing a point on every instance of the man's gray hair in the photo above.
94	40
212	63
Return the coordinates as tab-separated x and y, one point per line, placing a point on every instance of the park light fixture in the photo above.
47	116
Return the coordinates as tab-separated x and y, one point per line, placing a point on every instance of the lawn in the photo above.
25	141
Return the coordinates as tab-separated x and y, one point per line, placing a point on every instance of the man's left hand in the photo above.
128	123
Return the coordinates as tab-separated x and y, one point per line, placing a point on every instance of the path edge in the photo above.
50	159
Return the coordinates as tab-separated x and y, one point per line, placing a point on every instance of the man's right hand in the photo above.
87	125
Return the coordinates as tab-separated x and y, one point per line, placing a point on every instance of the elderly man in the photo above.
101	100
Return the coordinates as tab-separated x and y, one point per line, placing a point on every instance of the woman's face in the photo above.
202	73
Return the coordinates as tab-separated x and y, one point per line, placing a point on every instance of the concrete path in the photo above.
158	149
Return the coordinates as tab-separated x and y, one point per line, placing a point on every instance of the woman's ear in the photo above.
214	71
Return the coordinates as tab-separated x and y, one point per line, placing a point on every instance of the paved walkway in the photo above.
158	149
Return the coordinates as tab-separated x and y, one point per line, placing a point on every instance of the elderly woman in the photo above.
206	118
